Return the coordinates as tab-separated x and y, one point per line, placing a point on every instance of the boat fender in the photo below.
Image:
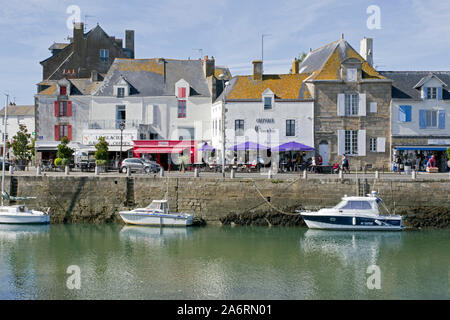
378	222
354	221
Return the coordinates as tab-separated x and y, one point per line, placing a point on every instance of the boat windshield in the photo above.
155	205
382	207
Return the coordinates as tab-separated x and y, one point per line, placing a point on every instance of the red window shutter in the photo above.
62	90
56	108
69	108
69	132
181	92
56	133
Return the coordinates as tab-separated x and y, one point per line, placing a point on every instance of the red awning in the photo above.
158	150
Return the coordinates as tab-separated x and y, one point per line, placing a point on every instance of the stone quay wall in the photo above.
99	198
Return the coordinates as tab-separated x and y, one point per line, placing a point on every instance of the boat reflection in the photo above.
13	232
154	235
349	246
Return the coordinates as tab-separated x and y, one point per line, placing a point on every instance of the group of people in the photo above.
345	165
419	163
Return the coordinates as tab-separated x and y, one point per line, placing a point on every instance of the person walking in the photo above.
345	164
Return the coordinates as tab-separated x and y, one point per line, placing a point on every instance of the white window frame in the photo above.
431	92
104	55
351	142
373	145
351	107
429	119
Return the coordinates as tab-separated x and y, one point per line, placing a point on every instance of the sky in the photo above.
407	34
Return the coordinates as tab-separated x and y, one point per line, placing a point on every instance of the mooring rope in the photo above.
273	207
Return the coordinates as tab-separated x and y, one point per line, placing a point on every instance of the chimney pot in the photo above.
366	49
295	65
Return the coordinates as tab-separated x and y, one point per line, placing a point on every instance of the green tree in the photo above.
21	144
101	154
300	58
64	152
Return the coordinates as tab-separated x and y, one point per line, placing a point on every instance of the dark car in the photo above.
7	164
138	165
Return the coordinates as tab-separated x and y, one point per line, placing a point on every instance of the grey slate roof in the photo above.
26	110
405	81
152	77
315	59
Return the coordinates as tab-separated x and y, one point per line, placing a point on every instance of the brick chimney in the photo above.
257	69
295	65
129	41
366	49
78	31
209	65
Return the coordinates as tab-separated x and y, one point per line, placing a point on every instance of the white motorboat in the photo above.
156	214
354	213
18	214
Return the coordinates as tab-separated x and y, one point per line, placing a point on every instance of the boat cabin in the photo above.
159	205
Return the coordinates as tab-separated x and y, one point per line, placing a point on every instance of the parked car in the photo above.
154	166
138	165
7	164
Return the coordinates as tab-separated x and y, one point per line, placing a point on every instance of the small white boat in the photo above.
156	214
354	213
20	214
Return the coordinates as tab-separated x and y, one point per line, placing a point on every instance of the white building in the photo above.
420	109
266	109
16	116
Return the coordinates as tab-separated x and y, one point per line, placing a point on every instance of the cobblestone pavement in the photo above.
241	175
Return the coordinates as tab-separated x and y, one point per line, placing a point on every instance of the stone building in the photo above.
351	105
86	52
420	109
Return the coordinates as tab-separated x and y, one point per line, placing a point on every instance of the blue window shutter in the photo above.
439	93
401	114
441	119
408	113
422	119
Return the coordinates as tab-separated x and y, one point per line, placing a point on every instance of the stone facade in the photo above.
98	199
327	122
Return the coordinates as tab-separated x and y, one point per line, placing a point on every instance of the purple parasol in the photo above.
293	146
207	147
248	146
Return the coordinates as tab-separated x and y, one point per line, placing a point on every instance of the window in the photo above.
351	104
290	128
351	142
63	90
181	108
351	74
120	115
120	92
63	131
20	120
373	145
357	205
431	93
431	119
182	92
104	55
63	108
267	103
239	127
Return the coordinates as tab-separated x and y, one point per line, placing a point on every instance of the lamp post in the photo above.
223	124
121	127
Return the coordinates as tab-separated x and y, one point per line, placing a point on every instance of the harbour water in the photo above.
123	262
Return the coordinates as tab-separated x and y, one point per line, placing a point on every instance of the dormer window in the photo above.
63	90
104	55
120	92
267	103
181	93
431	93
352	74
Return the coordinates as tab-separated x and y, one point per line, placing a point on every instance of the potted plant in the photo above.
22	147
101	154
64	154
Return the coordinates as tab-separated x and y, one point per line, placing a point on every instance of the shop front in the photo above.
170	154
416	157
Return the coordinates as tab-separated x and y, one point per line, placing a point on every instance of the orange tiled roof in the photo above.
284	86
49	91
136	65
